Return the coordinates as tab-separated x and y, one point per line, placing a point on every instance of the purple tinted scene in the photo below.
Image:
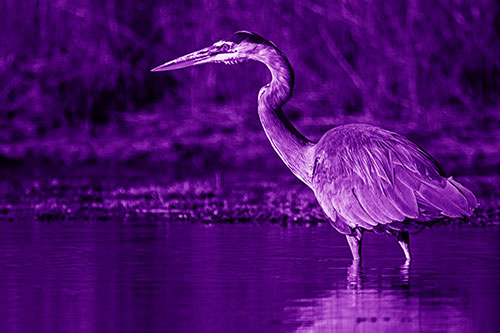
262	166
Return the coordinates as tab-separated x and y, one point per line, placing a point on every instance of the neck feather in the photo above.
293	148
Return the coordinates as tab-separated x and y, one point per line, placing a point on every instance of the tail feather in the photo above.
451	200
470	197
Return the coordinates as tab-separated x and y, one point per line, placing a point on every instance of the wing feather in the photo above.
347	205
403	198
379	198
375	208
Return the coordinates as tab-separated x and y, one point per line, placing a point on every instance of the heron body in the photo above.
364	177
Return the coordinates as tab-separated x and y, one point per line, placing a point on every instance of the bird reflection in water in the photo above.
374	300
354	281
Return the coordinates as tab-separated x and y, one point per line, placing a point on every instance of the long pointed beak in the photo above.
191	59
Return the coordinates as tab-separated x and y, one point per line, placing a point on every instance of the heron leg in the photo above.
354	241
404	241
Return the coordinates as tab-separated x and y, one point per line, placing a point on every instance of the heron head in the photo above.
239	47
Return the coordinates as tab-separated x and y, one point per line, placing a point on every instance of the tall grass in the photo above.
75	81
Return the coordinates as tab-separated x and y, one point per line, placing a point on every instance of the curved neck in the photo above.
292	147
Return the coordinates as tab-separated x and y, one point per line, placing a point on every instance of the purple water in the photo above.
115	276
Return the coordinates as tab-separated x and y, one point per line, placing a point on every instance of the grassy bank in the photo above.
225	197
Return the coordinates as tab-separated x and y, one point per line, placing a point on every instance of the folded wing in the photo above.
378	177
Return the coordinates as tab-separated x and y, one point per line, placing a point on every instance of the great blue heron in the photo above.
364	177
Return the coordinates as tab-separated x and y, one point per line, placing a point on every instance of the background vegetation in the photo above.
76	90
75	84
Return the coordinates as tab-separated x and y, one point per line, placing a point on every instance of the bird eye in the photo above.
225	47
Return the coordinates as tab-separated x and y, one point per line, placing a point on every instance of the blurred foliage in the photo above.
75	82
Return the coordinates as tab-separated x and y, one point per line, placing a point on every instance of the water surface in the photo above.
132	277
